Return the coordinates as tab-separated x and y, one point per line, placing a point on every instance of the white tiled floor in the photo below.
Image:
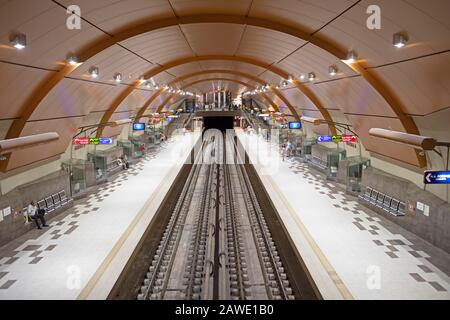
84	238
346	240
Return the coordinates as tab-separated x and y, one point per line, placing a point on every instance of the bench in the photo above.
383	201
318	163
51	203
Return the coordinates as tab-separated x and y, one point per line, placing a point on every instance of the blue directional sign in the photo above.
324	138
295	125
105	140
436	177
138	126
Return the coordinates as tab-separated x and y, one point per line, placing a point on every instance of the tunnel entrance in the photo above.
220	123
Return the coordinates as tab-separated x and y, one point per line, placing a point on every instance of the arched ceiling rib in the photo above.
237	73
340	20
283	74
184	87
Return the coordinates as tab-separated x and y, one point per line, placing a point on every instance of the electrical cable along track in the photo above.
217	244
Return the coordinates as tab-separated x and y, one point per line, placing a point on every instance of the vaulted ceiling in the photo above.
186	41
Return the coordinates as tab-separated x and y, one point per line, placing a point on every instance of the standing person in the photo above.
36	215
283	151
288	149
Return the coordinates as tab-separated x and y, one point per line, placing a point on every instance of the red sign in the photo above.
80	141
348	138
280	118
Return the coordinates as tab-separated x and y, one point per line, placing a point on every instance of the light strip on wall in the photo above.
9	145
426	143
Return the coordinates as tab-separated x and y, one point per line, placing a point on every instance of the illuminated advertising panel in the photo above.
139	126
295	125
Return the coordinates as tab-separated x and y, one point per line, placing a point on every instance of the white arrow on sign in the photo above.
427	177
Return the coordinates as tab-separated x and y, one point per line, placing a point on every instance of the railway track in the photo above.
217	244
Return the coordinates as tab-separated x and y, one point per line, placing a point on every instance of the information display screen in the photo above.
295	125
138	126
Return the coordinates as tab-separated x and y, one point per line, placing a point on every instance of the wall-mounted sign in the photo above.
338	138
105	140
91	141
139	126
80	141
324	138
295	125
349	138
6	211
436	177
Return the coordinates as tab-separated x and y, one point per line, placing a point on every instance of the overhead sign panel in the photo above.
324	138
295	125
139	126
436	177
337	138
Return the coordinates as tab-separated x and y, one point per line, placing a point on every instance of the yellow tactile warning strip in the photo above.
343	290
84	294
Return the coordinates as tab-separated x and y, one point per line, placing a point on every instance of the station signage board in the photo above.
337	138
324	139
92	141
295	125
80	141
138	126
436	177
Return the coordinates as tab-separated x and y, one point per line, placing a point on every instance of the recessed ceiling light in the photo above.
93	71
302	77
399	40
72	59
332	70
19	41
311	76
351	57
118	77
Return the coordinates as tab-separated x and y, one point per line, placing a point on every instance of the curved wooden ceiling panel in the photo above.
222	38
74	98
48	39
49	45
15	83
423	85
424	22
111	15
166	44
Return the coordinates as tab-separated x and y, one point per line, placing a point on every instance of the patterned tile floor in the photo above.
354	239
369	221
62	225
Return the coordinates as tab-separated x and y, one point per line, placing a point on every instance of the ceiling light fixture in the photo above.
142	79
72	59
332	70
302	77
93	71
118	77
399	40
311	76
19	41
351	57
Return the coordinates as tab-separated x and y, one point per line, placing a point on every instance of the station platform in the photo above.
84	250
349	250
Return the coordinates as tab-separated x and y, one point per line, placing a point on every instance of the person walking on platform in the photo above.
283	151
36	215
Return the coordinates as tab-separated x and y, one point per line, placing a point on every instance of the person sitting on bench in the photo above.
36	215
